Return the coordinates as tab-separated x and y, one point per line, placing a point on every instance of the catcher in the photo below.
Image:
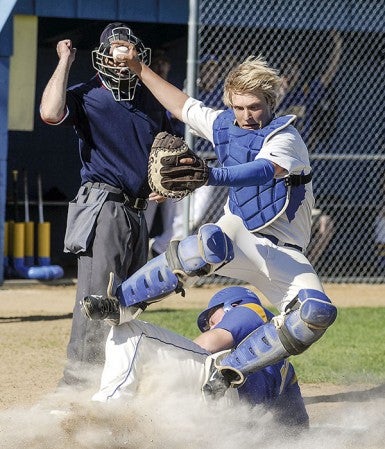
265	229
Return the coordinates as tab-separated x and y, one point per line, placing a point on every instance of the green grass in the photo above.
351	351
181	321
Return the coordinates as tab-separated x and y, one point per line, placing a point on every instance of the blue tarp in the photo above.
5	11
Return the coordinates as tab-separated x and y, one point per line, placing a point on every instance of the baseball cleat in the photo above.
97	307
214	385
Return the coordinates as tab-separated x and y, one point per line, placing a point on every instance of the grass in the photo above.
351	351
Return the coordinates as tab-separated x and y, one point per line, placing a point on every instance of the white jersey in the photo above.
283	147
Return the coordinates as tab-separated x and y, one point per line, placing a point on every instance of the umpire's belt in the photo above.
278	242
116	194
134	203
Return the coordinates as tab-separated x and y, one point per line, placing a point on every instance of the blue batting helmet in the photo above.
227	298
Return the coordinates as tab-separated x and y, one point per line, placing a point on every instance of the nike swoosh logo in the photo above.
213	376
274	155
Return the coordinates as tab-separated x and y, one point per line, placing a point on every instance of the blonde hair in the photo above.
253	76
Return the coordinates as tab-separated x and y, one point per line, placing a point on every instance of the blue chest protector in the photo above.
258	206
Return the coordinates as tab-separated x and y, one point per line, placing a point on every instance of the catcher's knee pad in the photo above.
316	309
215	246
305	321
201	254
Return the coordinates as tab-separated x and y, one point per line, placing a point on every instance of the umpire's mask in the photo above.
120	81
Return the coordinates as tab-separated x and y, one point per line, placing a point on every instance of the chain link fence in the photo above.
331	55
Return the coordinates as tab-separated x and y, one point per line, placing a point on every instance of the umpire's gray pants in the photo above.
120	245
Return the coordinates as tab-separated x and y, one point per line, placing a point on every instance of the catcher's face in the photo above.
251	111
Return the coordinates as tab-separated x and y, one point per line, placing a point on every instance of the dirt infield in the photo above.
35	323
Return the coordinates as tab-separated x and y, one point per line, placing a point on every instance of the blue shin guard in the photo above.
196	255
305	321
149	284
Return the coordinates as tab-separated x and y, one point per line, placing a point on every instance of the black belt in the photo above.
297	180
134	203
116	194
278	242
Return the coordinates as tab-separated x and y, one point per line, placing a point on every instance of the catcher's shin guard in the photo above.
305	321
150	283
196	255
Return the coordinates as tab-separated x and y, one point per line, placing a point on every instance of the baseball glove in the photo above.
167	175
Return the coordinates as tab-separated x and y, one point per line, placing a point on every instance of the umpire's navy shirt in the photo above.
115	137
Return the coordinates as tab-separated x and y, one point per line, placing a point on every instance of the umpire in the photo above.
115	119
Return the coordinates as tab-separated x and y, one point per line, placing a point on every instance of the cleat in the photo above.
218	378
97	307
215	384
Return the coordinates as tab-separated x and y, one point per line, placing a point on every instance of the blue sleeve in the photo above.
240	322
253	173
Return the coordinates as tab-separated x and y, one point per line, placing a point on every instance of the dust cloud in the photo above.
171	419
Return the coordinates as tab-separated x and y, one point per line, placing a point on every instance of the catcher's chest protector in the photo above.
258	206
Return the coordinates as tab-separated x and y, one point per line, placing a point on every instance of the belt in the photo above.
134	203
116	194
278	242
297	180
